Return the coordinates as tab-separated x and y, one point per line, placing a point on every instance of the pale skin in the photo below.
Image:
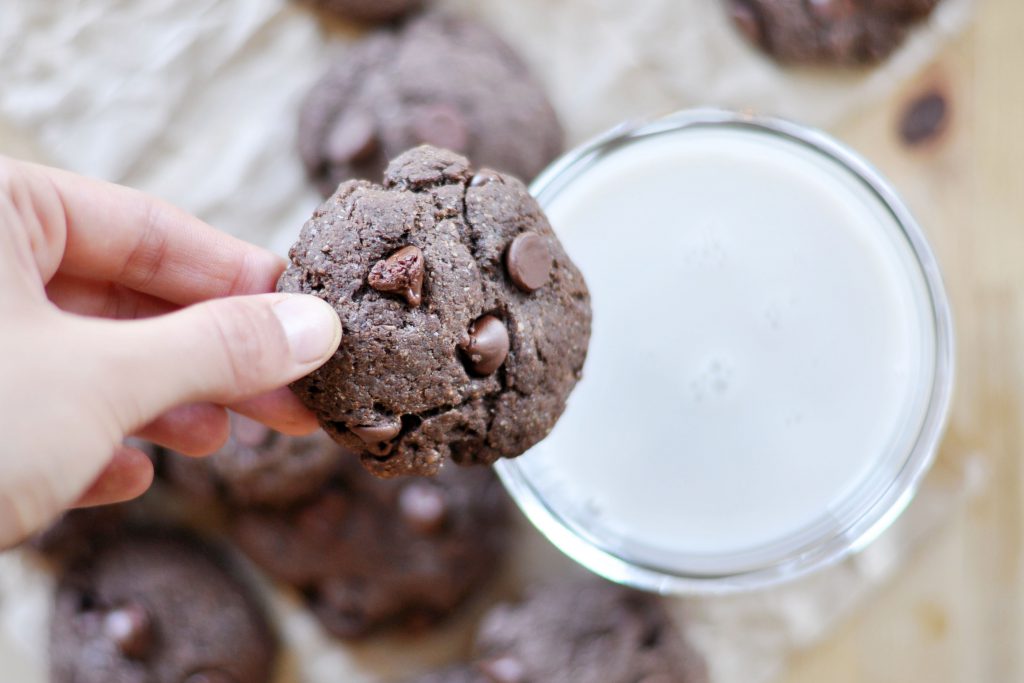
123	315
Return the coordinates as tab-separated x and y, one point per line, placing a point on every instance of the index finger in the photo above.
122	235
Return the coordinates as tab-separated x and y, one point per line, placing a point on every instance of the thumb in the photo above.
223	351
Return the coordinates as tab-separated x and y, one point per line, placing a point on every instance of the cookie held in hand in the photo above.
466	324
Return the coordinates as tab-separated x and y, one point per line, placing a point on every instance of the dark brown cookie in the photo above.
438	80
588	631
474	366
367	10
369	554
848	32
257	466
158	608
81	531
460	673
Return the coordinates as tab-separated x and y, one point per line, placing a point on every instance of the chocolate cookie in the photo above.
367	10
158	609
257	466
850	32
588	631
369	553
436	80
466	324
461	673
78	533
81	531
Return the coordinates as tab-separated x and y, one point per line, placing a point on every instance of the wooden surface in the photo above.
955	613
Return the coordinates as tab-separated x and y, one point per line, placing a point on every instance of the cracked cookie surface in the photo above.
436	79
368	553
481	366
848	32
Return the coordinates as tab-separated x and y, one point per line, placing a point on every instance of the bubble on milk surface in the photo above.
712	380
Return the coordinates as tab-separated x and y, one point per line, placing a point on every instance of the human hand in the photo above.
114	322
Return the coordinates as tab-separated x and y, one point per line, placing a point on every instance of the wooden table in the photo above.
955	613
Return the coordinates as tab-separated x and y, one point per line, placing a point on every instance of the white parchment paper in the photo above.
196	101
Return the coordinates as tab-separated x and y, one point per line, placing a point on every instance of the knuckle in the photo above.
32	208
146	257
251	351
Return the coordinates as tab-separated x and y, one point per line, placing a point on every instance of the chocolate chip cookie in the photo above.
158	608
369	554
588	631
439	80
367	10
460	673
81	531
466	324
845	32
257	466
78	533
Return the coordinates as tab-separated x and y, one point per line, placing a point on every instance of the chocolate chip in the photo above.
210	676
377	437
441	125
130	629
747	20
529	261
249	432
503	670
402	272
353	139
423	507
481	179
924	118
486	346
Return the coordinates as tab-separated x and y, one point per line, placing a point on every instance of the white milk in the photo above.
763	347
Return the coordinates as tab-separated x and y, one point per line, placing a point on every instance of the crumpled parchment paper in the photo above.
196	101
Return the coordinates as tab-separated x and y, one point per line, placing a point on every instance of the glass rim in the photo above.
885	508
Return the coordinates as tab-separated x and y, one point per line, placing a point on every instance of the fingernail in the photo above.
311	327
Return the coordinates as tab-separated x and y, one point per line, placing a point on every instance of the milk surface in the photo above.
763	347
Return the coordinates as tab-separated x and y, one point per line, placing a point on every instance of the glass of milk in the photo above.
771	361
